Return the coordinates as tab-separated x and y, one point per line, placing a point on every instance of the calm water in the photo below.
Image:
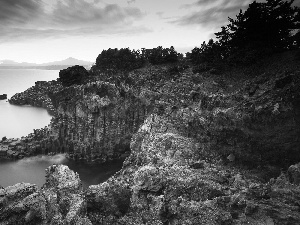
32	170
17	121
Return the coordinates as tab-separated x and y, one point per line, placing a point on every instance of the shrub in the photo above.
73	75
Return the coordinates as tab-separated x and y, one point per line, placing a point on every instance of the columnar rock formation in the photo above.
95	121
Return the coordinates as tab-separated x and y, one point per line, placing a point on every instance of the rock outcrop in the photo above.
59	201
3	96
37	95
96	121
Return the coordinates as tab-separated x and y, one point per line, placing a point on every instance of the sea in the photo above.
18	121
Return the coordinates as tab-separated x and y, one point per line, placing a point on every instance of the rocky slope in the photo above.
165	181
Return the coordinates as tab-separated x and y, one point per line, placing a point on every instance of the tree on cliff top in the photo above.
73	75
263	29
124	59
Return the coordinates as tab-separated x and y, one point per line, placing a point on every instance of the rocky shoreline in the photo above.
37	95
159	183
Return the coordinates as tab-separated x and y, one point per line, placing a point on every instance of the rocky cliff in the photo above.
204	149
92	122
37	95
95	121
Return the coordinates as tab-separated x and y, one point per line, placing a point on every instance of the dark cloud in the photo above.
29	19
211	13
19	11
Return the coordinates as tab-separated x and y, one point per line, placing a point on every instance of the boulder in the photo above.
294	174
3	97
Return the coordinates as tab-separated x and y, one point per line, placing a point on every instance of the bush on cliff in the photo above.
73	75
124	59
160	55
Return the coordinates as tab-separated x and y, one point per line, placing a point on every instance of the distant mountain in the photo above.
67	62
7	62
13	63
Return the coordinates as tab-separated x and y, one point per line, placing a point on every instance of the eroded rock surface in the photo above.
59	201
159	184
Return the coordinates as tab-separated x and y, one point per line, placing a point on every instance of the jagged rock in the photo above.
60	201
63	179
108	199
294	174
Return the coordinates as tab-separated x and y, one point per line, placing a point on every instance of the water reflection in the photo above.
32	170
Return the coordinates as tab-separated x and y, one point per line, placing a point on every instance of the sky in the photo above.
39	31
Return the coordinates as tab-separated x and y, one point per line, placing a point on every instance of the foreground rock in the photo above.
59	201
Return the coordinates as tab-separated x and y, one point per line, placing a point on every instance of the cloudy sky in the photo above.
48	30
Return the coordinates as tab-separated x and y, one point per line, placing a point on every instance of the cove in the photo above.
17	121
32	170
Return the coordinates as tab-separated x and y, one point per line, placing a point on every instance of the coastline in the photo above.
37	95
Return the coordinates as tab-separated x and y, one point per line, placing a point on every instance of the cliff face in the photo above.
92	122
95	121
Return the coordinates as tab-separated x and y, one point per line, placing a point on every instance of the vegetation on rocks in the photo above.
264	28
73	75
